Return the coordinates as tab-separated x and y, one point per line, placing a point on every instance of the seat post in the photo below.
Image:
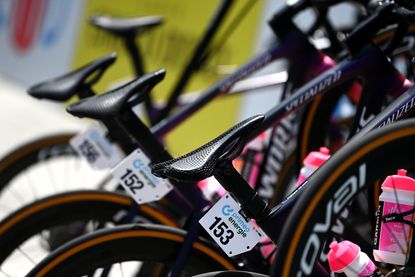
158	153
85	92
232	181
133	50
135	54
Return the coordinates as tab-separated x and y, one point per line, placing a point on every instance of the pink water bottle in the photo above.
313	161
346	257
392	235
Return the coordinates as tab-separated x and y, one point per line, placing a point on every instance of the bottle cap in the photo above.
317	158
342	254
399	181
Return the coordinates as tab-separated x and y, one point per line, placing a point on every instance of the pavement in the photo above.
23	118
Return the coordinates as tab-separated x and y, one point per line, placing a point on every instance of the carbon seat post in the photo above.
86	91
151	146
133	50
232	181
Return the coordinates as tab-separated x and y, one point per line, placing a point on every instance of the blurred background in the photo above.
41	39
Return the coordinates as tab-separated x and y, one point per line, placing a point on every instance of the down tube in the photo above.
224	85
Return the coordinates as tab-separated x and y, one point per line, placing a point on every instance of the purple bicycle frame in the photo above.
312	63
380	77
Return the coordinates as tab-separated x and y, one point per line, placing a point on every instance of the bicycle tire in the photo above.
17	167
66	208
24	156
357	165
144	242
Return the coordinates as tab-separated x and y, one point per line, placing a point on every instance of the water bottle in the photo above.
392	235
346	257
313	161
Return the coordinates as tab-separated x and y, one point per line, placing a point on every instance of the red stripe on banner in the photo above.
26	21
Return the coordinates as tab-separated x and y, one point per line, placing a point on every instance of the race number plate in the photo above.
230	228
135	176
93	145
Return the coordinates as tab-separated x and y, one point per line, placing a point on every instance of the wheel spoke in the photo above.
16	195
25	255
50	175
121	270
31	184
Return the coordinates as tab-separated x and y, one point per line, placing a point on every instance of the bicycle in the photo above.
84	106
46	148
40	152
215	158
234	174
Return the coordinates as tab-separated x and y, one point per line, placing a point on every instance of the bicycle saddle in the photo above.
111	103
125	26
64	87
200	163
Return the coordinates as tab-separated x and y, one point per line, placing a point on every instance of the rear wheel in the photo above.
29	234
43	167
123	246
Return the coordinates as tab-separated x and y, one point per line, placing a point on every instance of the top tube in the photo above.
286	49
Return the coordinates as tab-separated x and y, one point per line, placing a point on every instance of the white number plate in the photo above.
93	145
230	228
135	176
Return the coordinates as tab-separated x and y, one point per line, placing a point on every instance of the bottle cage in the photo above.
399	217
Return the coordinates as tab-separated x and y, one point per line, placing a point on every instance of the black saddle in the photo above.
64	87
112	103
126	26
200	163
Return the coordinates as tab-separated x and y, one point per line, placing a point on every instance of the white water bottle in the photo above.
393	238
313	161
346	257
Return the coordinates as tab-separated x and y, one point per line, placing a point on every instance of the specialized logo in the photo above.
280	145
363	120
334	208
398	113
332	77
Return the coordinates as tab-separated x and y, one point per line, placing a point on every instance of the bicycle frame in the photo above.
271	221
127	125
360	67
296	42
288	49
